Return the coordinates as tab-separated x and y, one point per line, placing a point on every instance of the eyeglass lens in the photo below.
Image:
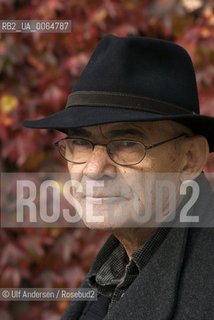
122	152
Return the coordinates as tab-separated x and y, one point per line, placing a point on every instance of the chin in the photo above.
102	226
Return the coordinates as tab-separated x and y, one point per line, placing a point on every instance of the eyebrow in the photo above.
79	132
124	132
112	133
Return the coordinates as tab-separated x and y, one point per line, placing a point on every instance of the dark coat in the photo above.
178	281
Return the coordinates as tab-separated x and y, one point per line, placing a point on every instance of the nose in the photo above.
100	165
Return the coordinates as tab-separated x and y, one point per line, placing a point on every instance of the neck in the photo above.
133	238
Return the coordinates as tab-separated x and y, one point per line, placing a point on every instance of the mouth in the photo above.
103	199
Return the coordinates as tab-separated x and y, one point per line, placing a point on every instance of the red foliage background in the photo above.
37	72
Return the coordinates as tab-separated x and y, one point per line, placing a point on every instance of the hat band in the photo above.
122	100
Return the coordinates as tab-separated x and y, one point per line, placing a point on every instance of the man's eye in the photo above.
80	142
128	144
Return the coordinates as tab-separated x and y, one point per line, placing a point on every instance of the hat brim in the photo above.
84	116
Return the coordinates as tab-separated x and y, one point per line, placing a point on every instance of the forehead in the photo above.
140	128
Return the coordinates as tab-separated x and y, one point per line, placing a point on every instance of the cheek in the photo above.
165	162
172	162
76	171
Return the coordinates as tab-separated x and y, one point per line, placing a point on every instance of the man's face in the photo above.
114	196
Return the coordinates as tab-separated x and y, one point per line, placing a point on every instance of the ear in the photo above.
196	155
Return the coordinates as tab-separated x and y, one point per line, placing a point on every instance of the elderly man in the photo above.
133	120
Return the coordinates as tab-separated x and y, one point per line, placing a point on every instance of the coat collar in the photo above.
153	294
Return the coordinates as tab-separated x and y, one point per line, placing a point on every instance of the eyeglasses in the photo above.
122	152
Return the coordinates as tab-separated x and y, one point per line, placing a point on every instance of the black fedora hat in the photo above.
133	79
